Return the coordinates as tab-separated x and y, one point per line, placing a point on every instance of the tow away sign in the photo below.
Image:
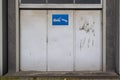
60	19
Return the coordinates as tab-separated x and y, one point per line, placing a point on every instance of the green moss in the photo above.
9	78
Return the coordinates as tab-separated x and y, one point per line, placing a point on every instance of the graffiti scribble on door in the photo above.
88	28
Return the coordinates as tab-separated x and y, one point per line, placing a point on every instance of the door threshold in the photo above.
64	74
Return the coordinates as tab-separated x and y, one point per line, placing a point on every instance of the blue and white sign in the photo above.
60	19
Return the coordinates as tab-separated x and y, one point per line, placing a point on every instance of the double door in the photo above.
60	40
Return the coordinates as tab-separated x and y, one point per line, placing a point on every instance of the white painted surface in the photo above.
45	47
68	6
88	41
33	40
60	44
1	51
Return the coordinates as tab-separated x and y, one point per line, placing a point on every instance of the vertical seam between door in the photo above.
74	40
47	42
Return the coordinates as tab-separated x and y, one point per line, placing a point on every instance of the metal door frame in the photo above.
19	6
13	43
1	40
3	37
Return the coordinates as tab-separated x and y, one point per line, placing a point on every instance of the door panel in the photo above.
60	41
33	25
88	40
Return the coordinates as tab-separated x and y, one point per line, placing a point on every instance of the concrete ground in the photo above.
47	78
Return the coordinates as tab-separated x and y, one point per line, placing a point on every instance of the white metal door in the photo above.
33	27
60	42
88	40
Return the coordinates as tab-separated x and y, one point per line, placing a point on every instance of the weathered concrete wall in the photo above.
11	36
58	78
118	38
111	35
